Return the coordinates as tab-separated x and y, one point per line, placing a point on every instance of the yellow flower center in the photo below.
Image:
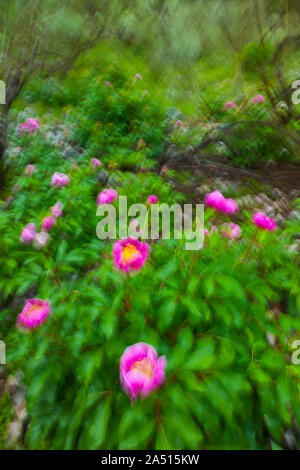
32	309
129	251
145	366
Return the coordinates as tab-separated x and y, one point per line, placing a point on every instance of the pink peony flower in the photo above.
214	199
95	163
152	200
28	234
48	223
232	231
178	123
228	206
220	203
30	126
35	312
229	105
141	370
137	76
41	239
107	196
57	210
59	179
130	254
261	220
257	99
30	169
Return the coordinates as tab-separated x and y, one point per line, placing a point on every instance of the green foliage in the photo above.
209	311
6	407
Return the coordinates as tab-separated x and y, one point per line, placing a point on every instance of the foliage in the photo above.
209	312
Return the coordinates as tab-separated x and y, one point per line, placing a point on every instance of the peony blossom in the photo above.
95	163
57	210
59	179
152	199
48	223
178	123
261	220
137	76
28	234
214	199
232	231
130	254
107	196
257	99
141	370
41	239
30	126
229	105
221	203
35	312
30	169
229	207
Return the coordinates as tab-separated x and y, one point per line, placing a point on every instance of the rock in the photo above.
173	114
279	219
103	177
295	193
71	152
269	210
172	152
294	215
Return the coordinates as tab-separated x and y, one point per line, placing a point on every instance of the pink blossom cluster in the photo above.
30	126
229	105
60	179
261	220
40	239
217	201
107	196
257	99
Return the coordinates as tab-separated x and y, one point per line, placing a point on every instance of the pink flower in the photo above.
28	234
141	370
228	206
137	76
48	223
261	220
57	210
30	169
130	254
208	233
152	200
220	203
59	179
30	126
232	231
95	163
229	105
178	123
35	312
107	196
214	199
257	99
41	239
